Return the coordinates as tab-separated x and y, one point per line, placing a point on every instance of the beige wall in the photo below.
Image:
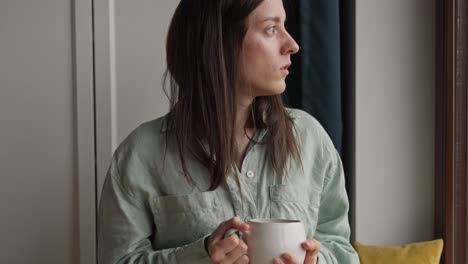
38	183
140	38
130	62
395	113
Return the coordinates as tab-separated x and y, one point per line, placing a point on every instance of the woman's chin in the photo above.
273	90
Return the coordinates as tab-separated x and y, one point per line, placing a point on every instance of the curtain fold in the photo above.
315	81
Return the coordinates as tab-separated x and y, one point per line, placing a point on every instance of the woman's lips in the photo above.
284	69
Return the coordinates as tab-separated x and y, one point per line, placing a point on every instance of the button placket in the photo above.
234	192
247	179
253	177
247	170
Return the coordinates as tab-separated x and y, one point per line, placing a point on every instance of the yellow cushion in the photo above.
424	252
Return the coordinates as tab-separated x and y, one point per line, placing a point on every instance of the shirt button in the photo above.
250	174
247	218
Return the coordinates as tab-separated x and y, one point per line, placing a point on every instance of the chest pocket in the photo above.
180	220
288	202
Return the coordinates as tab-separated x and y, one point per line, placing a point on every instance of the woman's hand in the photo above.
230	249
312	248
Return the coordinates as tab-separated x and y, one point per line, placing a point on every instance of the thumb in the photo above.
312	248
234	223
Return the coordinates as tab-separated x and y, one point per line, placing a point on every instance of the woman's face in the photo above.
266	51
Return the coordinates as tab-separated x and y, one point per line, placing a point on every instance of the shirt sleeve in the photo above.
333	230
125	225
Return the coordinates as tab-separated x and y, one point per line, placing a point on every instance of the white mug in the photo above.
267	239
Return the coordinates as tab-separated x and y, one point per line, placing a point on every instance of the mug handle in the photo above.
240	234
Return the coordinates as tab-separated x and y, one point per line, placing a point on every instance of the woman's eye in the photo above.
271	30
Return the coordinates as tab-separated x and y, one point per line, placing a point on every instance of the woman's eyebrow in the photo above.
276	19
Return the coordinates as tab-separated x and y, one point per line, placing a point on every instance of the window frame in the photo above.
451	129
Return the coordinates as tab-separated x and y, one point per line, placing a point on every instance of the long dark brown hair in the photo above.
203	68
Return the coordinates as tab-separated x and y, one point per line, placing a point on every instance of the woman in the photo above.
227	148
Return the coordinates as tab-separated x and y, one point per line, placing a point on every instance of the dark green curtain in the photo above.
314	84
321	80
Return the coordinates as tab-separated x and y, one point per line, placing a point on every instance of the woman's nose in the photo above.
291	46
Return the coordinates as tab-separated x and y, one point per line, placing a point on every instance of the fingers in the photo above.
234	222
220	249
239	252
278	261
229	249
312	248
243	260
286	258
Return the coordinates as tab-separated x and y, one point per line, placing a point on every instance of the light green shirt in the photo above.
150	214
